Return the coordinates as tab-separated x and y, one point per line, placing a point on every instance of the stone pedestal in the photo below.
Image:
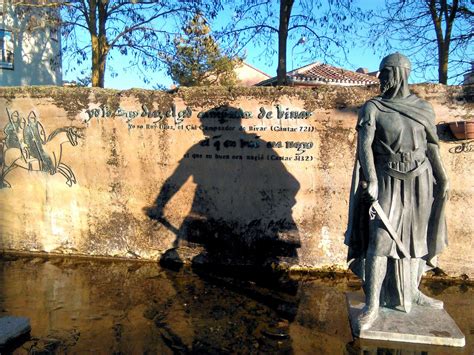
12	328
422	325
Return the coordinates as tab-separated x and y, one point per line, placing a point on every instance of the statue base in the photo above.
11	329
422	325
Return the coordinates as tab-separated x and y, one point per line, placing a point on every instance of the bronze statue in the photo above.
399	189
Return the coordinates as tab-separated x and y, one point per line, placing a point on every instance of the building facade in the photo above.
30	43
247	75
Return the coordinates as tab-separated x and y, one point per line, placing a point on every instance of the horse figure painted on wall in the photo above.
26	146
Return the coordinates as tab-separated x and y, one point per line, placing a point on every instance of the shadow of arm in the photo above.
170	187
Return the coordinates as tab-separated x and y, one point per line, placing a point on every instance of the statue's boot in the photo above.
367	317
419	298
423	300
376	268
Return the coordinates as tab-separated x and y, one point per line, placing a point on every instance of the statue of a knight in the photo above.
399	190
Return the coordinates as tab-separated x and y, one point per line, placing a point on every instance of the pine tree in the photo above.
198	60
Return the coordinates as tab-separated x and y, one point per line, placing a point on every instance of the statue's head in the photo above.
395	60
394	71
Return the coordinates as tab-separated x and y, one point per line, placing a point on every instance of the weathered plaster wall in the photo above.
121	167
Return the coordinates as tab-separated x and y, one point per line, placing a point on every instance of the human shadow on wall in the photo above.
241	212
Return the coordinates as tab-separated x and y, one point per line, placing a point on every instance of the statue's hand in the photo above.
372	191
444	188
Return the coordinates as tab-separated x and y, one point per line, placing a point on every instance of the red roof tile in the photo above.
325	73
318	73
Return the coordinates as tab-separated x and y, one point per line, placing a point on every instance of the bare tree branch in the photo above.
433	33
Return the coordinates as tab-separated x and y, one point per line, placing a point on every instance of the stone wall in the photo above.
241	174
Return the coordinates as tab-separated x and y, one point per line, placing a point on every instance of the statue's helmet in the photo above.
395	60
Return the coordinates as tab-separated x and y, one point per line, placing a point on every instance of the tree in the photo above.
140	30
198	60
326	24
433	33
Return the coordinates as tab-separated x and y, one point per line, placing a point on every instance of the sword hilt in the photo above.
372	213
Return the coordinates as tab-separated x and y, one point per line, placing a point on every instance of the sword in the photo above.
404	263
376	209
11	121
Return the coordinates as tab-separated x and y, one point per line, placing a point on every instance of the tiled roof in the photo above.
318	73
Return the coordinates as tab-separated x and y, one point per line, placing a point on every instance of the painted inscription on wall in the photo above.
231	133
465	147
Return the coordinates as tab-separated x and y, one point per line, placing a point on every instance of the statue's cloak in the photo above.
357	234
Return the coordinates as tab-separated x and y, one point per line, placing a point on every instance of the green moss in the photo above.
106	97
322	96
75	100
71	100
153	99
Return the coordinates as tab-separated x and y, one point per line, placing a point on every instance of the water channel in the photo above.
125	307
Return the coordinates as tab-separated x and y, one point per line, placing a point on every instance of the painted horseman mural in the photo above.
26	146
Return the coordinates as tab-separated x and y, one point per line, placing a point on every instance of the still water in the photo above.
91	306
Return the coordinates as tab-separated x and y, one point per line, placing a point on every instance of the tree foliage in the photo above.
198	60
435	34
327	26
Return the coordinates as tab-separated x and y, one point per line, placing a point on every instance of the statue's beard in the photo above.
390	84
